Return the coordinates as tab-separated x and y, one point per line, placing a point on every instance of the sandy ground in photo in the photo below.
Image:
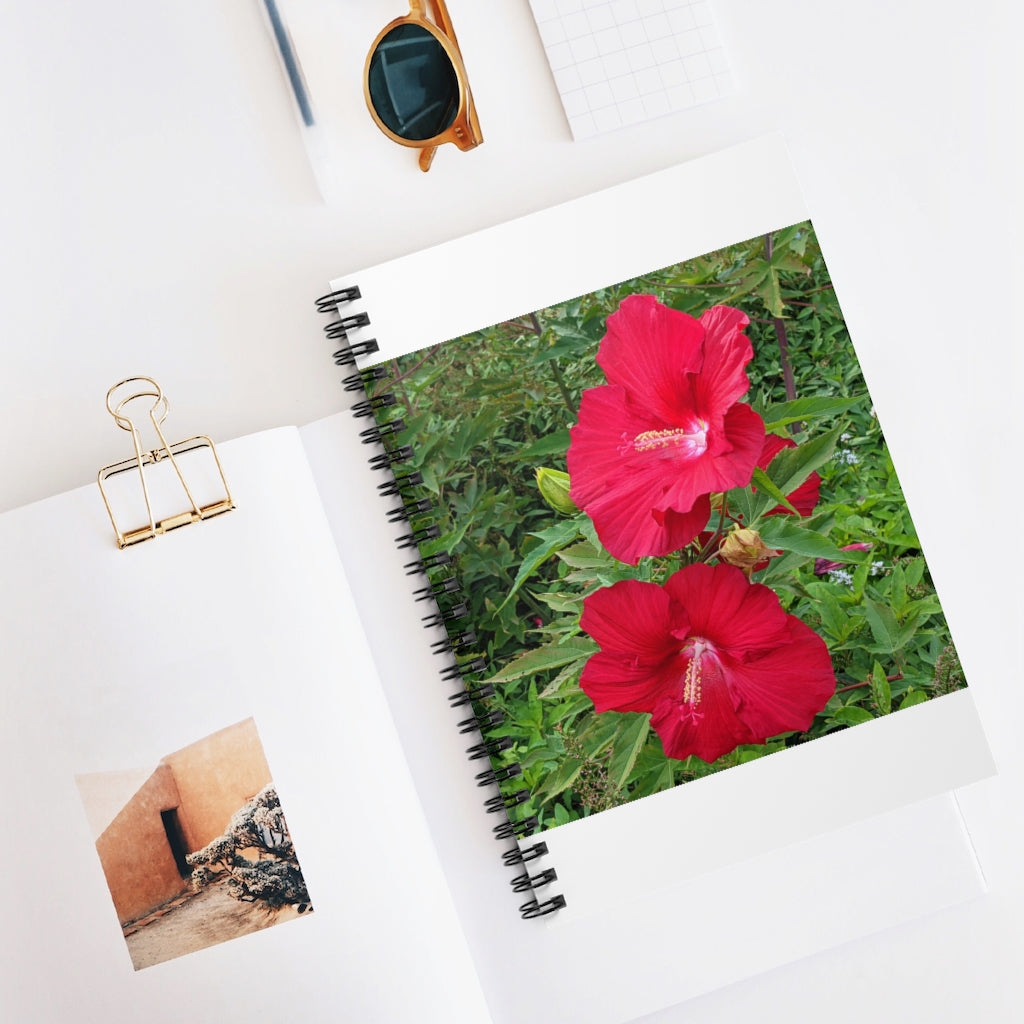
209	917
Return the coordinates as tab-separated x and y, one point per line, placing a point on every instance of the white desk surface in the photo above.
160	217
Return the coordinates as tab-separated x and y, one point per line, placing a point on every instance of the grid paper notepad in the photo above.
620	62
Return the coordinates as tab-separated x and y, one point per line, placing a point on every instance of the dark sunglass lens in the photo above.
413	86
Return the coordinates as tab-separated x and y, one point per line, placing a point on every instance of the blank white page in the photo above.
112	659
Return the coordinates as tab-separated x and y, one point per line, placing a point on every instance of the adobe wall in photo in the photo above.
136	856
186	802
216	776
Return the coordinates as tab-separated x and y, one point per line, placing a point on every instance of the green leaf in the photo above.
741	503
781	414
884	627
792	466
786	533
915	572
656	779
562	815
880	690
787	261
569	674
762	482
913	697
898	590
552	539
544	658
556	443
628	742
835	619
852	715
585	556
470	434
561	778
599	732
570	342
769	293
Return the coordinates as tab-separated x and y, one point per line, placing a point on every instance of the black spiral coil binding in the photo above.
398	481
422	564
481	692
439	618
449	614
371	435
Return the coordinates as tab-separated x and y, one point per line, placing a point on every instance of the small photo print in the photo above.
195	848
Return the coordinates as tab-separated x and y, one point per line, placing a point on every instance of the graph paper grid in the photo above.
621	62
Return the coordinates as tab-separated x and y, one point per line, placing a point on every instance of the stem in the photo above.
560	381
399	377
783	340
688	287
712	544
555	370
867	682
401	392
787	370
852	686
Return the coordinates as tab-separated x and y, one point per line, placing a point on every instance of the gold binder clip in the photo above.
164	453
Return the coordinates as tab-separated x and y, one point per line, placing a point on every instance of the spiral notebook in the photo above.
385	643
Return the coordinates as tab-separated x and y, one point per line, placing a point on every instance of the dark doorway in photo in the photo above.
176	839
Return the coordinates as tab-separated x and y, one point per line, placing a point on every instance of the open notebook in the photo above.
274	659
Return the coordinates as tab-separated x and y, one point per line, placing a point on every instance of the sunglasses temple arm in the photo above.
427	157
441	17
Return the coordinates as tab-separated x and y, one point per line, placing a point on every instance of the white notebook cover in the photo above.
674	857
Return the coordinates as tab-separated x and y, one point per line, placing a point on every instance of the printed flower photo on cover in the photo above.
680	537
712	657
667	429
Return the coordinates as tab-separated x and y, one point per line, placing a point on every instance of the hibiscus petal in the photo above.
785	687
618	682
727	350
680	528
631	621
649	349
630	616
731	466
641	460
598	443
714	658
724	607
708	731
630	529
620	488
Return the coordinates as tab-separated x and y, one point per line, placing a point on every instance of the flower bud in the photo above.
822	566
554	489
744	548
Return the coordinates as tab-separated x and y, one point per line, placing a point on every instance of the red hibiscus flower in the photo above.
805	497
667	429
715	659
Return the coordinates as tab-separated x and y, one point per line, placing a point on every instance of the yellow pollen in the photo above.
657	439
691	682
695	439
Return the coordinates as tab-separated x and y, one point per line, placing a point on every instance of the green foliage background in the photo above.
484	412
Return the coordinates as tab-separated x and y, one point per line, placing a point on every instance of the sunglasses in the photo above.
416	86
